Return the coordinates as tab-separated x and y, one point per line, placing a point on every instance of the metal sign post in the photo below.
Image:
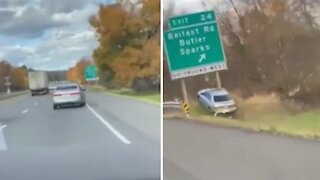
218	80
184	91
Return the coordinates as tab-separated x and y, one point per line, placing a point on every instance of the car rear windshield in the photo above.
63	88
221	98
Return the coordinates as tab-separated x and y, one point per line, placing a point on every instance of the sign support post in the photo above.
218	79
184	91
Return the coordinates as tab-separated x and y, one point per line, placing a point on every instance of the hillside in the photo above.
271	48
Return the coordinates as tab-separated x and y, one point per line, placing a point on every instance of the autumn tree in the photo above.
76	73
80	69
18	78
71	76
272	45
129	41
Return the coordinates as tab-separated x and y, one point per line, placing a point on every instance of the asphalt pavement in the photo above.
111	138
194	151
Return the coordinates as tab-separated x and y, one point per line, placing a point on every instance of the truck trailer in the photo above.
38	83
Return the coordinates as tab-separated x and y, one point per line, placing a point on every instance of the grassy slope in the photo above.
305	124
151	97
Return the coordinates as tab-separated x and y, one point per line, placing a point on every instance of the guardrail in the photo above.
172	104
181	105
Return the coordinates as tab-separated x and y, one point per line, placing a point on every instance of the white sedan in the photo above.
217	100
68	94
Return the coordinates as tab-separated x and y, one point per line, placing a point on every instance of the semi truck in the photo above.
38	82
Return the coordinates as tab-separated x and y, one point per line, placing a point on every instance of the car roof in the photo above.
215	91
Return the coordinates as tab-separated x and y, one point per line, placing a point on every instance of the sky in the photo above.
47	34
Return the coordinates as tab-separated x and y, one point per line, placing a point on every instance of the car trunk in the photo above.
67	95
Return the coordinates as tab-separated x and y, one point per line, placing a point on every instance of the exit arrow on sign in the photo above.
202	57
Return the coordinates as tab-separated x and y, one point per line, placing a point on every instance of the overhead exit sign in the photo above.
195	48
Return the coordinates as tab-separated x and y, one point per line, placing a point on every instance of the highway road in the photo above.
112	137
204	152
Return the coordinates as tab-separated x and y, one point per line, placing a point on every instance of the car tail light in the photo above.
57	94
75	94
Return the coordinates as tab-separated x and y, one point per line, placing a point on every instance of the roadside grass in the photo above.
305	124
261	114
13	97
150	97
97	88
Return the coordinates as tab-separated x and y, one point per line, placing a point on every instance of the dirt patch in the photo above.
256	106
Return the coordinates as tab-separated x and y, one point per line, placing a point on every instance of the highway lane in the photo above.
133	113
205	152
76	143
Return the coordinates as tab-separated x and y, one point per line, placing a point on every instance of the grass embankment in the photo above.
150	97
266	114
12	96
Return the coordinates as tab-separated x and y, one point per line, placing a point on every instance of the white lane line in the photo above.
112	129
25	111
3	144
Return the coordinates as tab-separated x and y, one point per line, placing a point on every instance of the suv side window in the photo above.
207	96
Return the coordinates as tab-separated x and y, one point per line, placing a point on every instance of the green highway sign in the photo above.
194	50
91	73
191	19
